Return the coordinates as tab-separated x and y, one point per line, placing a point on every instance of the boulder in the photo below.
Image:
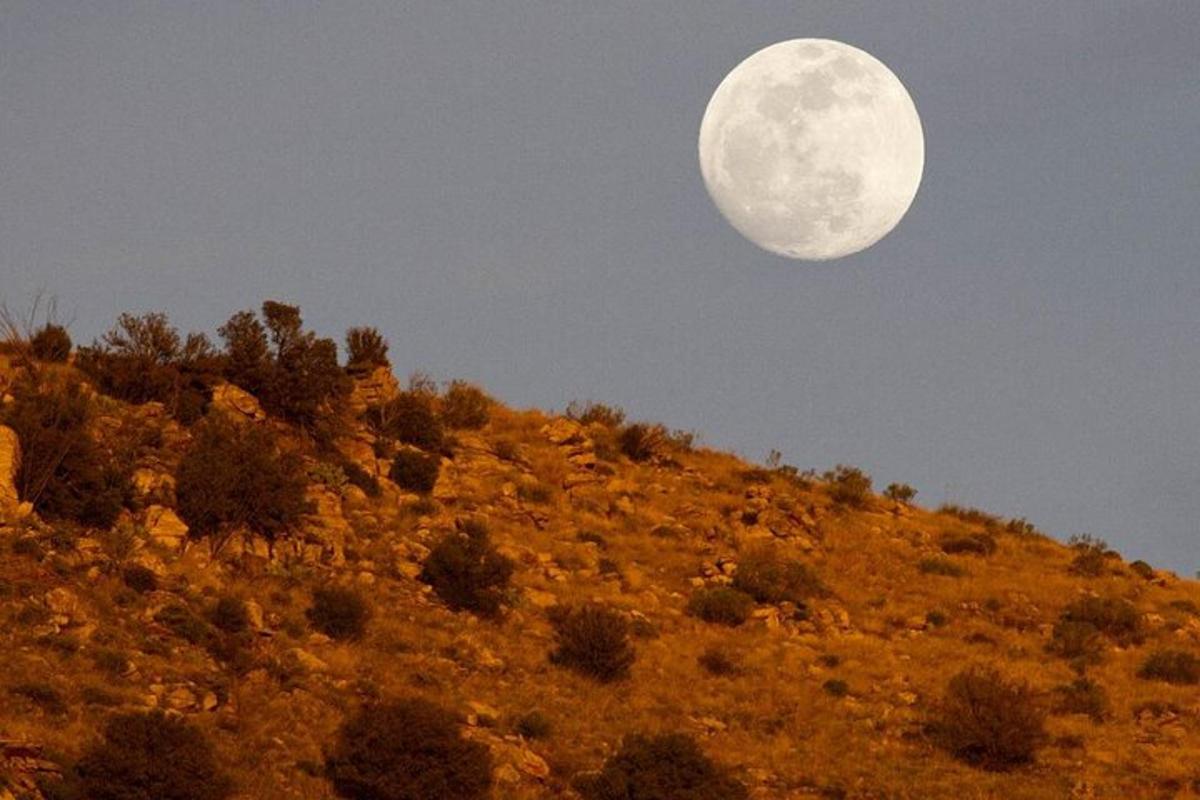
164	527
237	403
10	460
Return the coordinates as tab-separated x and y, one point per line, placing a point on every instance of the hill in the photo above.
317	575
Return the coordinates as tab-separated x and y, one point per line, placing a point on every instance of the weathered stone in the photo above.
164	527
563	431
237	403
10	461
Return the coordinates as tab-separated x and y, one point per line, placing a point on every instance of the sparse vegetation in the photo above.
415	471
1117	619
339	613
988	721
366	349
721	604
940	566
534	725
407	750
718	661
237	475
1091	555
848	486
664	767
231	614
408	418
1082	696
974	544
900	492
768	576
1178	667
465	406
467	572
592	640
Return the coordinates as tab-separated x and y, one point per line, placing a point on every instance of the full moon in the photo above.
812	149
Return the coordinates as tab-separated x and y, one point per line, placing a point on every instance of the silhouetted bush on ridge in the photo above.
51	342
366	349
465	406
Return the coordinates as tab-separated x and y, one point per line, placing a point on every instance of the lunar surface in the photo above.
812	149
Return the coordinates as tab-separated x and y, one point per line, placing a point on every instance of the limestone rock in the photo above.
164	527
10	460
237	403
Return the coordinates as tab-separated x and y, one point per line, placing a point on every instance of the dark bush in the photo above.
466	572
940	566
721	604
230	614
900	492
339	613
848	486
366	350
357	476
592	640
770	577
974	544
717	661
1082	696
596	413
42	695
139	578
973	516
642	442
151	757
51	343
665	767
1117	619
63	471
1178	667
408	418
182	622
465	406
533	725
415	471
1142	569
235	475
1079	642
836	687
407	750
989	722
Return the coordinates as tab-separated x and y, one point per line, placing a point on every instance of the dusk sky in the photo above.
510	192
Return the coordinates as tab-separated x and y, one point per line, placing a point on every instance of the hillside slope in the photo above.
834	692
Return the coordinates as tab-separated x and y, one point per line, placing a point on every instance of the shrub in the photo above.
1178	667
900	492
533	725
51	343
975	544
407	750
408	418
151	757
664	767
231	614
42	695
64	472
848	486
989	722
769	577
366	350
235	475
641	442
1117	619
465	406
592	640
717	661
180	620
1082	696
415	471
595	413
1077	641
936	618
339	613
940	566
1142	569
836	687
721	604
466	572
970	515
139	578
357	476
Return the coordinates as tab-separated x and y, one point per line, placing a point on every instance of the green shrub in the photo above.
717	661
64	472
139	578
1117	619
151	757
769	577
465	406
836	687
592	640
1079	642
466	572
1178	667
408	418
51	343
664	767
1082	696
848	486
339	613
407	750
533	725
235	475
989	722
900	492
231	614
974	544
366	350
641	442
415	471
721	604
940	566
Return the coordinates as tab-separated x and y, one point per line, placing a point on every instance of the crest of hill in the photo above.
225	567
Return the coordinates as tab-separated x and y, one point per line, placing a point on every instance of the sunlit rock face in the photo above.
812	149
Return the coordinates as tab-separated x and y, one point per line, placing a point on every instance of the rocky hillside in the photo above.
558	585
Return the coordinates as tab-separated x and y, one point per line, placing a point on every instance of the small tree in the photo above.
989	722
465	406
900	492
407	750
467	572
408	418
848	486
51	343
366	350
